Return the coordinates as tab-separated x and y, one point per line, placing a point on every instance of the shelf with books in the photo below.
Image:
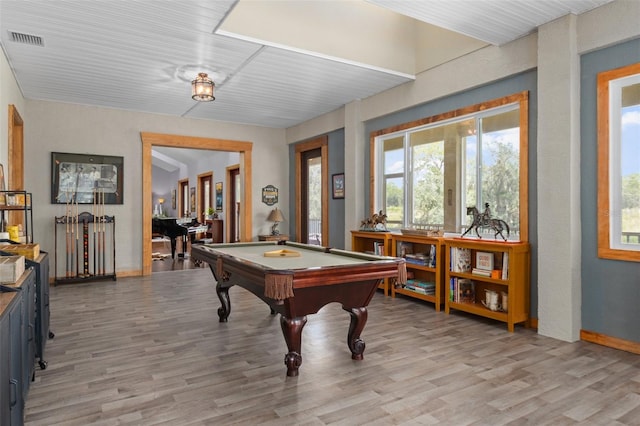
375	243
488	278
424	258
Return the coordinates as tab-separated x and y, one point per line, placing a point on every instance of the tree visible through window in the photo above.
619	163
432	173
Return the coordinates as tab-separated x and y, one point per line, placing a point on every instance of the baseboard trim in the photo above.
612	342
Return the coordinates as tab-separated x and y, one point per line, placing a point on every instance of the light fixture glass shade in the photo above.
202	88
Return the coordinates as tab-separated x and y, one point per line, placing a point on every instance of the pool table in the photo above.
296	280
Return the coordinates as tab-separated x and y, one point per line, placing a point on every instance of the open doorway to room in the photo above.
234	199
312	211
149	140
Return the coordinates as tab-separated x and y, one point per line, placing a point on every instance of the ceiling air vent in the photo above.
26	38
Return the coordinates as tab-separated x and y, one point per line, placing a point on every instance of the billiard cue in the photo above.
104	236
93	215
77	238
99	229
67	236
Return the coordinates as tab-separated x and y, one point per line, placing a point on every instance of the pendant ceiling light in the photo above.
202	88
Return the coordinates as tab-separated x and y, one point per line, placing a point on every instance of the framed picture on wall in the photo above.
79	177
218	196
338	185
173	199
192	197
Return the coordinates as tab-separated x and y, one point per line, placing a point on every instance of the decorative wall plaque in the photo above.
270	195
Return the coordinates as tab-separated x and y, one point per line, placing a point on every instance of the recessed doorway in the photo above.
149	140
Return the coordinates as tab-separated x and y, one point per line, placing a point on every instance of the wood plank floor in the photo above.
150	351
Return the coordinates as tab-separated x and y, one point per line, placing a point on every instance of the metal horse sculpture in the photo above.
484	220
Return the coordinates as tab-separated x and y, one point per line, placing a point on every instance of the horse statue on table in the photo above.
484	220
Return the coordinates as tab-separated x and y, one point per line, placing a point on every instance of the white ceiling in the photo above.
140	55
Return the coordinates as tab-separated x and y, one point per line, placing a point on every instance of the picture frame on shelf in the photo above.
484	260
337	185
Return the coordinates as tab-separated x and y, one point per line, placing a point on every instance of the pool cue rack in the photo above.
87	248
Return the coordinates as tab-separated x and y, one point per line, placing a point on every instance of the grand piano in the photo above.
174	228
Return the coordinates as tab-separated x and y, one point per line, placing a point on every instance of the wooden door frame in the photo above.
227	199
149	140
200	213
15	164
321	142
182	202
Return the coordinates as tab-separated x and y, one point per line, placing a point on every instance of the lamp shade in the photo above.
202	88
275	216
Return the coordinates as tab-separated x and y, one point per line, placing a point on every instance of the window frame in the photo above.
605	180
521	98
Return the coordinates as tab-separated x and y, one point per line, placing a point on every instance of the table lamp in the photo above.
161	202
276	217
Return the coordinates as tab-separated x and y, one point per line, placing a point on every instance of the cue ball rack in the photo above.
87	248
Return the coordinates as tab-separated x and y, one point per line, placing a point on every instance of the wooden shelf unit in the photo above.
365	241
516	284
435	274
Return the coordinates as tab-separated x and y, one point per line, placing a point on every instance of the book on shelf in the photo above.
378	248
484	260
432	256
417	259
424	287
466	291
460	259
403	248
482	272
505	265
462	290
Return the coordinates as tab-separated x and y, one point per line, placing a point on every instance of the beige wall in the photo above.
59	127
9	94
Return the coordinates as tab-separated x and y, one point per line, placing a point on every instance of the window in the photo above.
431	170
619	163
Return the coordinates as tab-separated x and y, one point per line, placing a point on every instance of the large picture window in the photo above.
426	173
619	163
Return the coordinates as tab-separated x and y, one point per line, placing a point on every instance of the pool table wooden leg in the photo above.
225	305
358	321
292	331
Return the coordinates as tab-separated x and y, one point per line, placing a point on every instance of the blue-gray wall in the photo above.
336	207
610	288
514	84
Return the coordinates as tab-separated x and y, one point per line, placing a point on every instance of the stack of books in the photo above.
419	286
417	258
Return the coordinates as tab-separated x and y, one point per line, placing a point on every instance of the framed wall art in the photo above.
218	196
338	185
79	177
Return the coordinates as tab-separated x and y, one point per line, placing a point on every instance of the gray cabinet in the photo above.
42	311
17	349
9	302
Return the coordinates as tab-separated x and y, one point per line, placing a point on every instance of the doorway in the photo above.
312	183
157	139
234	199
